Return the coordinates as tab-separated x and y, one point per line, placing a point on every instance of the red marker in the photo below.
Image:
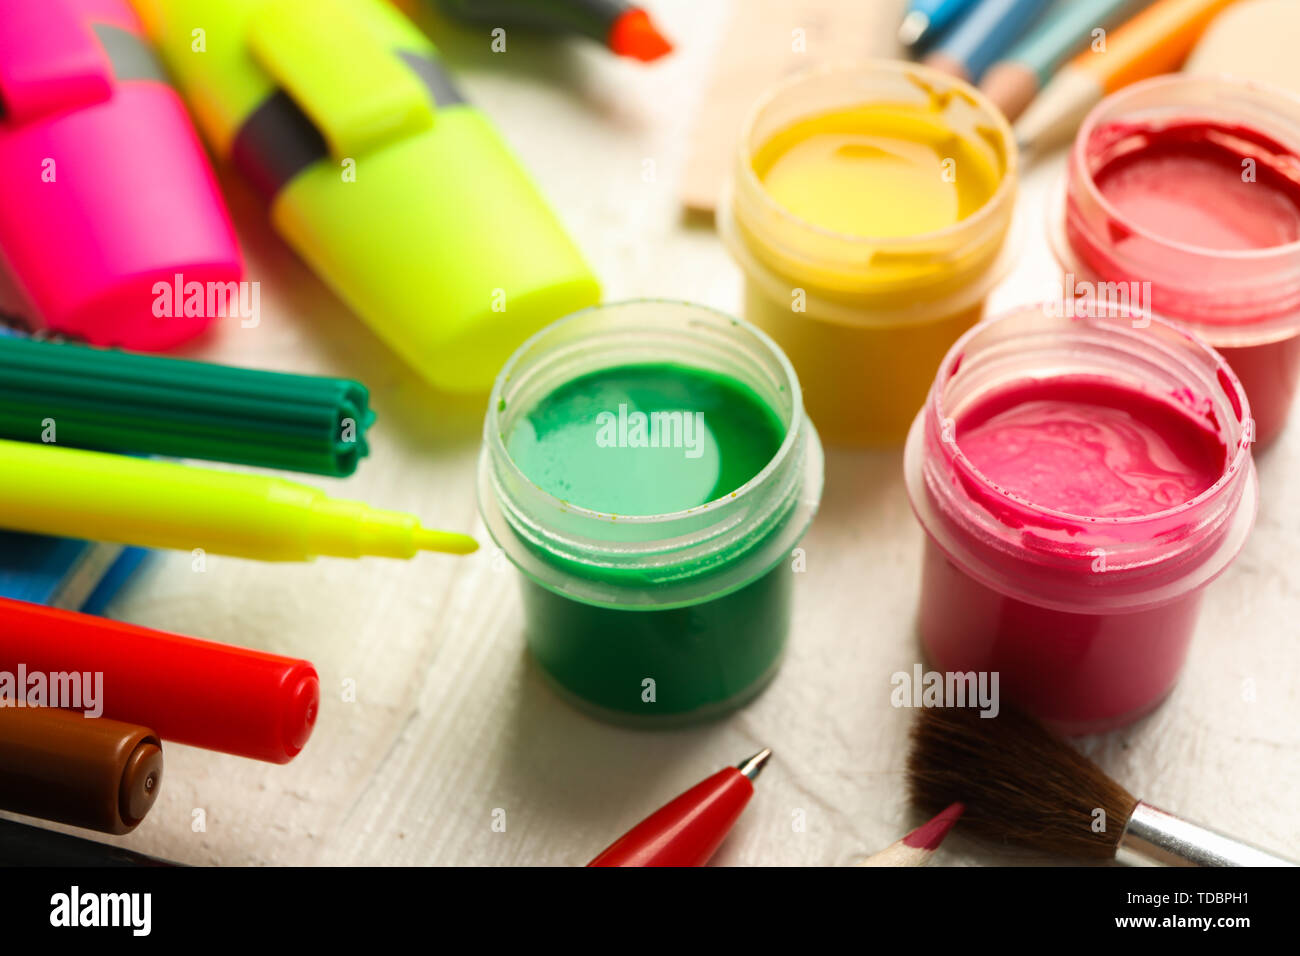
232	699
689	830
625	29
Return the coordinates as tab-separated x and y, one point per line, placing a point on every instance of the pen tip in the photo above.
447	542
913	28
752	767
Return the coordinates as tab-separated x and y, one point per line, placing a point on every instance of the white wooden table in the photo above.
452	721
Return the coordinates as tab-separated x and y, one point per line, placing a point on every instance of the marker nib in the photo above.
635	35
913	27
447	542
752	767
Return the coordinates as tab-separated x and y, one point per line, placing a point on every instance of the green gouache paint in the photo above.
704	659
646	439
643	440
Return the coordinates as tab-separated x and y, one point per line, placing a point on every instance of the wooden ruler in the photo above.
766	41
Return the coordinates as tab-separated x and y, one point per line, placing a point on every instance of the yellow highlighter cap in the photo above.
401	196
356	92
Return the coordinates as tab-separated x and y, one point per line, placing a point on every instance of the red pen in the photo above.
689	830
216	696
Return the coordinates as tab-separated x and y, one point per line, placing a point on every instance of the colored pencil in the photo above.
1155	41
983	36
927	19
917	847
1067	28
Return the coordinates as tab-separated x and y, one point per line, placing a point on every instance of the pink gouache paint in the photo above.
1090	447
1080	482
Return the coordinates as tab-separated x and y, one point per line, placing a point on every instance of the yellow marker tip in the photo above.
448	542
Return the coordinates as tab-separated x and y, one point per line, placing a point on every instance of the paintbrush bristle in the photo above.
1020	783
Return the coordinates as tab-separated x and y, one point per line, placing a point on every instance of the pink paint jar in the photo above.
1080	481
1192	184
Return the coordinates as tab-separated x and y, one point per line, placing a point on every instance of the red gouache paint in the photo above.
215	696
1080	481
1192	184
1183	180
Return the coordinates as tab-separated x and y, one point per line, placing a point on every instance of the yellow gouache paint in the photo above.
877	171
45	489
869	212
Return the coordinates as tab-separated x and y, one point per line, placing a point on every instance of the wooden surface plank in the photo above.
452	721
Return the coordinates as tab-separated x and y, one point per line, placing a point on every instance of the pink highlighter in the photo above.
108	195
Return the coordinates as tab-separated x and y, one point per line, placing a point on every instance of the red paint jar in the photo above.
1189	188
1086	616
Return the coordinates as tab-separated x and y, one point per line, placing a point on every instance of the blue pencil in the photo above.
988	31
1066	29
926	19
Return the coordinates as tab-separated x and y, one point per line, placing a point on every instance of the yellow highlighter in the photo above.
400	194
45	489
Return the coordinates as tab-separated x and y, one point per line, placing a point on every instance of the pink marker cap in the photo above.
108	191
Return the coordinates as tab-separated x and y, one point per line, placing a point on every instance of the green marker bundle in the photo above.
115	401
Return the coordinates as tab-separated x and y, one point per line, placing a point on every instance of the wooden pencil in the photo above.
917	847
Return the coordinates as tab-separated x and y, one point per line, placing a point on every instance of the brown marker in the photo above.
89	772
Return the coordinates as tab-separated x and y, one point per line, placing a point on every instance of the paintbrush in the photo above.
1021	784
917	847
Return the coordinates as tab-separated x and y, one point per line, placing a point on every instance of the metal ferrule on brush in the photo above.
1156	838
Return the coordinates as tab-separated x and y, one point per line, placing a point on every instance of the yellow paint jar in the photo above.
869	209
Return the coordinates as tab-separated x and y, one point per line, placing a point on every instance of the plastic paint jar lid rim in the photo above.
1237	286
837	268
663	560
1058	560
913	311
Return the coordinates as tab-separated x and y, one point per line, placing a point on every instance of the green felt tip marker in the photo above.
108	400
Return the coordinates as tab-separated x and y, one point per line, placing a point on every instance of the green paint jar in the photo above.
649	468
